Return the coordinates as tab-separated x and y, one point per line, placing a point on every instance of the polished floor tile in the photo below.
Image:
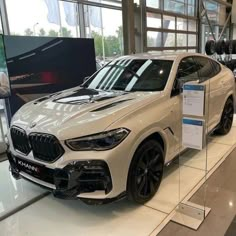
228	139
220	195
53	217
174	187
205	159
14	193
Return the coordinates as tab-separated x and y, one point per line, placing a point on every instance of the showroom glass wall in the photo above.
70	19
171	25
217	16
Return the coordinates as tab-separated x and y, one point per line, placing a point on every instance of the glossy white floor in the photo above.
14	194
50	216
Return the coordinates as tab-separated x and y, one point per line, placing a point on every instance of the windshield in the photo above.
131	75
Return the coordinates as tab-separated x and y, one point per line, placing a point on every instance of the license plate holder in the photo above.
29	167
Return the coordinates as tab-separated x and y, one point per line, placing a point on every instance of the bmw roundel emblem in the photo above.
32	125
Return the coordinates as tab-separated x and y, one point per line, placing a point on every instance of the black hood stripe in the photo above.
110	105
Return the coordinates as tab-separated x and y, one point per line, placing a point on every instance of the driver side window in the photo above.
187	71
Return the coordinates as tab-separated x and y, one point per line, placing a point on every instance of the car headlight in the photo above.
99	142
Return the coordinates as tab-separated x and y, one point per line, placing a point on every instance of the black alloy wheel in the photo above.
226	118
145	172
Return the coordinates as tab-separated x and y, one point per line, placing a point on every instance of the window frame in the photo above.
173	90
212	68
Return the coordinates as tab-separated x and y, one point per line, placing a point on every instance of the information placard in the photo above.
193	99
193	130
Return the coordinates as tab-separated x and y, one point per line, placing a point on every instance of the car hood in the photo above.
79	111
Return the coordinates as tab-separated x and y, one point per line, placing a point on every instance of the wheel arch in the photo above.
156	135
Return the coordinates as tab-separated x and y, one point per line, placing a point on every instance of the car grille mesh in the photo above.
45	147
20	140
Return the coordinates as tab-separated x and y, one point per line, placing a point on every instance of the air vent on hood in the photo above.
45	98
110	105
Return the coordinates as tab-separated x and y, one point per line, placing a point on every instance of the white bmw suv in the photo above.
112	136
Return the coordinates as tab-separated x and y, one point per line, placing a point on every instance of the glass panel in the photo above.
1	31
154	39
136	75
181	24
191	11
153	3
40	23
192	25
192	40
175	6
107	33
168	22
153	20
222	15
46	18
181	40
169	39
212	11
69	19
192	50
191	2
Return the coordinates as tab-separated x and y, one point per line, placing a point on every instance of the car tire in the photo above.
226	118
210	47
145	172
220	47
228	47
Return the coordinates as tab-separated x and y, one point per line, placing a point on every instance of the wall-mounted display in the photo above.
5	90
39	66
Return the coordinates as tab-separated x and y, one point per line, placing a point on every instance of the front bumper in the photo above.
69	182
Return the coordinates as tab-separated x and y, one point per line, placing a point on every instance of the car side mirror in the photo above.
178	87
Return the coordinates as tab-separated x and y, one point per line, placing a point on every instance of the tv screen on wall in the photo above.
38	66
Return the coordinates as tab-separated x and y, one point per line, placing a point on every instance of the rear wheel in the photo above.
145	172
226	118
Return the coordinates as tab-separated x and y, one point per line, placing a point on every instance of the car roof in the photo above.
160	55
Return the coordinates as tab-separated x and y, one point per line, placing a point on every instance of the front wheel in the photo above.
145	172
226	118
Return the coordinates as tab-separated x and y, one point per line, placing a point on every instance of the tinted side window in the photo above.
216	67
206	70
188	70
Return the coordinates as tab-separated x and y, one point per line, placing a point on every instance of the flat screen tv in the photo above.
38	66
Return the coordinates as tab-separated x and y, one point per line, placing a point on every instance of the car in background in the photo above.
112	136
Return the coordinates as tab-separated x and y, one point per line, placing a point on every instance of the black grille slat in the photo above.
45	147
20	140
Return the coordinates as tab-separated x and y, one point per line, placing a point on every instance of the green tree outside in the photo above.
66	32
42	32
29	32
3	66
53	33
113	44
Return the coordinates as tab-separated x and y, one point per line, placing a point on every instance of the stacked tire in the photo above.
220	47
